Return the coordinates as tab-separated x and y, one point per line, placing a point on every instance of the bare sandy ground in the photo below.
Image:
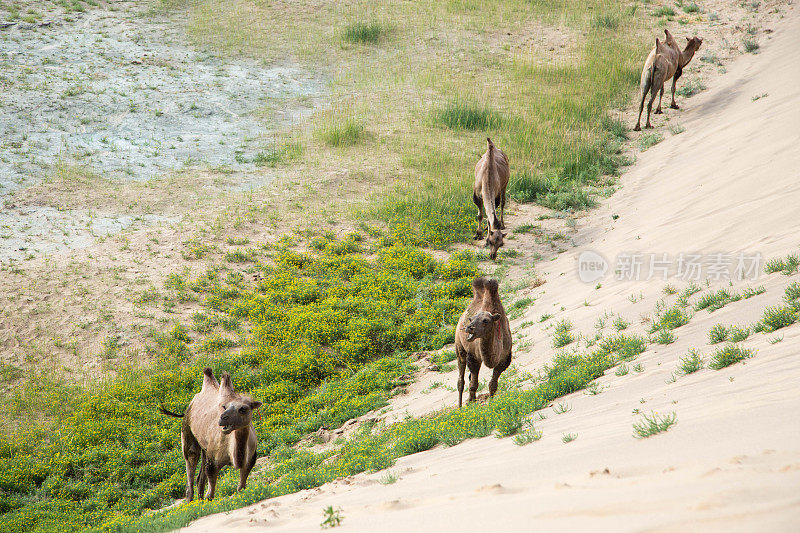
728	184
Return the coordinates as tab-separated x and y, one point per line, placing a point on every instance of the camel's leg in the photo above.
498	202
677	75
474	365
479	217
499	369
462	365
653	94
191	453
246	471
660	98
641	107
212	471
201	475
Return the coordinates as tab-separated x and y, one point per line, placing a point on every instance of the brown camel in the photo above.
489	192
483	335
665	61
217	430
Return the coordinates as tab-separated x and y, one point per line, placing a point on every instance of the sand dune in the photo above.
730	183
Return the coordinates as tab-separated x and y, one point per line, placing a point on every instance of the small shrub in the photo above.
787	265
389	478
332	517
672	318
691	363
729	355
569	437
775	318
653	424
665	336
750	45
717	334
562	335
622	370
738	333
620	323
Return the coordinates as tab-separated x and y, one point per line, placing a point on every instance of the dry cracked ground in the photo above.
121	143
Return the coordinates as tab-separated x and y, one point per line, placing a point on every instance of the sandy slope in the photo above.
728	184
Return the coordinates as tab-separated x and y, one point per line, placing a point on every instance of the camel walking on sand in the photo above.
489	192
665	61
483	336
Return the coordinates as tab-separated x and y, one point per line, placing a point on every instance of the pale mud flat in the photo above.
729	183
123	94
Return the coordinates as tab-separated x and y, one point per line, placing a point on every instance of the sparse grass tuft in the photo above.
787	265
729	355
332	517
648	140
691	363
738	333
717	334
562	334
665	336
750	45
653	424
347	132
568	437
664	11
775	318
691	88
389	478
620	323
622	370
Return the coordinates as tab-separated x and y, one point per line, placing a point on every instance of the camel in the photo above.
665	61
483	335
489	192
217	430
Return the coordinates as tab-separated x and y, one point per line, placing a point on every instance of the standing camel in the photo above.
489	192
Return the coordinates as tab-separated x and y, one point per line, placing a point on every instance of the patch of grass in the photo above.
442	361
691	363
468	116
717	334
729	355
527	228
672	318
341	133
364	32
606	21
710	57
331	517
738	333
622	370
562	408
648	140
691	7
568	437
749	292
516	309
775	318
653	424
562	334
664	11
691	88
276	155
389	478
625	347
791	294
716	300
750	45
665	336
526	437
787	265
620	323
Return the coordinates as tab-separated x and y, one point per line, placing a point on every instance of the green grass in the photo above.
671	318
562	335
717	334
716	300
568	437
648	140
729	355
739	333
775	318
664	11
664	336
750	45
691	7
364	32
787	265
347	132
625	347
468	116
620	323
691	88
653	424
691	363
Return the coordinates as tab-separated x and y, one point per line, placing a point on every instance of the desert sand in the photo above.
730	183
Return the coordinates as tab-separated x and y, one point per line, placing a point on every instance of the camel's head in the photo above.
494	241
693	43
481	324
236	411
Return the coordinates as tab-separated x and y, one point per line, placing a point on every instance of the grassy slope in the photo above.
344	313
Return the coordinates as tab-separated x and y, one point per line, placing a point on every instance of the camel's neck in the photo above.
240	437
686	55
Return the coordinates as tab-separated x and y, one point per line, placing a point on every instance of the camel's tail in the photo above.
164	411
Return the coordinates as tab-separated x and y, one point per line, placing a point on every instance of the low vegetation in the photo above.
652	424
729	355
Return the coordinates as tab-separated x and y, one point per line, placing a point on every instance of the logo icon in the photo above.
591	266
